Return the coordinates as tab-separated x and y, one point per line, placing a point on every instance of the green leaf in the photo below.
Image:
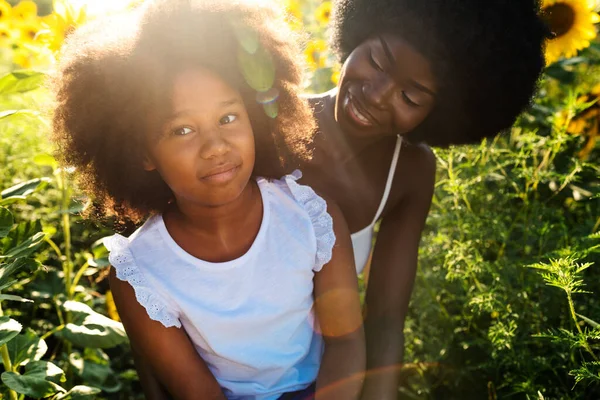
24	188
11	200
95	374
32	383
26	347
8	284
19	234
593	323
91	329
27	247
21	82
6	222
9	328
10	113
8	270
48	370
80	392
100	254
557	72
45	160
11	297
47	285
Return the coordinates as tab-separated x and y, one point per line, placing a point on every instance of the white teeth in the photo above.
357	113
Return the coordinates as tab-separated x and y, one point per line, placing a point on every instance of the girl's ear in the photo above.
148	164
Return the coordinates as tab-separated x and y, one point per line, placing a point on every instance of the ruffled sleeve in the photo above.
121	258
316	207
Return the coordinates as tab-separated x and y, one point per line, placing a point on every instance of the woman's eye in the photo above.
184	130
374	63
408	100
229	118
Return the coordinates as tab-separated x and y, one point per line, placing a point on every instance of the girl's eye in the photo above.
229	118
408	100
374	63
183	131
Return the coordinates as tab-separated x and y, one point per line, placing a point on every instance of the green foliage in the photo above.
504	303
512	221
42	227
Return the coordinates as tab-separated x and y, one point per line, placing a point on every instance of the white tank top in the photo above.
362	241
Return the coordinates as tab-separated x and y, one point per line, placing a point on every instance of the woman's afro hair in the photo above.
487	57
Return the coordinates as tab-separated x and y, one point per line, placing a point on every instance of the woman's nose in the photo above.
378	91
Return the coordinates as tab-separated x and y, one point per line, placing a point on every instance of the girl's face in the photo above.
386	87
205	150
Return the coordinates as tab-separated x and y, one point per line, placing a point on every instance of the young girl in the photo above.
233	287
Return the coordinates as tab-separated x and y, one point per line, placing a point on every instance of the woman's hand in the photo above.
167	351
337	305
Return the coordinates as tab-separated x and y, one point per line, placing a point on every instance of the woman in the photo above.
416	73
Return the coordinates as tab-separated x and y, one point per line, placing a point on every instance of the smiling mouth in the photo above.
221	175
356	113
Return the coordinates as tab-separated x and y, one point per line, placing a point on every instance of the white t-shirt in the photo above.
251	319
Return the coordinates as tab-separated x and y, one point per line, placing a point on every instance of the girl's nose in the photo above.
213	145
378	91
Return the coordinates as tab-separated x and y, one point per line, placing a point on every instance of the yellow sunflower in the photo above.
5	10
572	23
587	122
7	35
28	29
293	14
26	9
315	54
323	12
23	58
64	20
335	74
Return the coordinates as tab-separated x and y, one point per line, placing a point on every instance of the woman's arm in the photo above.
393	271
168	351
337	306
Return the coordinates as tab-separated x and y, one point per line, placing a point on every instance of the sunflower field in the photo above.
506	299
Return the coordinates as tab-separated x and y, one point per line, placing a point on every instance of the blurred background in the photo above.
506	301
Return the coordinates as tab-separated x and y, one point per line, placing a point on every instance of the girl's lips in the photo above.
221	175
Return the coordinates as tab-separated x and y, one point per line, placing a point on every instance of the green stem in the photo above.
67	265
54	246
586	346
78	277
52	332
7	363
59	312
68	262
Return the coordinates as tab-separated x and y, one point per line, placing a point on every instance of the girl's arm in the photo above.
152	388
168	351
338	311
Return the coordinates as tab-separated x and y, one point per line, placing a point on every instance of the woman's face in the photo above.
386	88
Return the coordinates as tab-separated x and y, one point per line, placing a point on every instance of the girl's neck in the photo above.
219	221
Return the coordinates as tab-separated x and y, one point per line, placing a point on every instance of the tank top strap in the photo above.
390	179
